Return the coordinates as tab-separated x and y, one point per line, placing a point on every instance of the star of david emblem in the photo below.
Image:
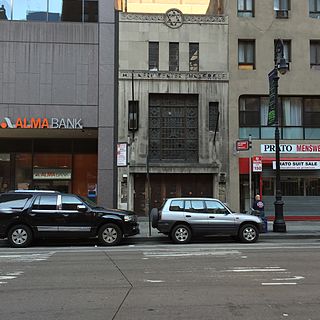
173	18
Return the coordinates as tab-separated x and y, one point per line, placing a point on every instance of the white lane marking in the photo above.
288	279
256	269
25	257
7	277
154	281
175	254
16	273
278	283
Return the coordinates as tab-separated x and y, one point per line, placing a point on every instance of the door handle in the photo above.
32	214
188	216
65	214
211	217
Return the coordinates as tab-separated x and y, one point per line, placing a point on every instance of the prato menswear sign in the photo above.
291	148
41	123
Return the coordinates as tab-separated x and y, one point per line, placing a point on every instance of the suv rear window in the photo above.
176	205
13	201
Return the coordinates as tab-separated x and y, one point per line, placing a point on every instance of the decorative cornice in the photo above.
161	18
177	76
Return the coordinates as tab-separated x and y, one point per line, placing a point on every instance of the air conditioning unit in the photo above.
282	14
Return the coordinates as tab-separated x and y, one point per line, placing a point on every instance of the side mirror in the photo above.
82	208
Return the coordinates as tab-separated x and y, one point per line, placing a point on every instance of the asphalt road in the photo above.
275	279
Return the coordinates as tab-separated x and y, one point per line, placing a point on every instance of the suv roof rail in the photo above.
34	191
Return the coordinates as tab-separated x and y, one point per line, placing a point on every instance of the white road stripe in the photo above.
288	279
278	283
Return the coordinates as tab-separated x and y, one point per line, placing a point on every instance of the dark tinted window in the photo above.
45	203
13	201
70	202
176	205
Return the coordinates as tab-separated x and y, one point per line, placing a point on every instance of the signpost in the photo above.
242	145
257	164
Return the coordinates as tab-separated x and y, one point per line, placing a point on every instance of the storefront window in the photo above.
313	187
268	186
85	168
4	172
23	170
292	186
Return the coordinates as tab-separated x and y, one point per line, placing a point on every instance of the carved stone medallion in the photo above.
173	18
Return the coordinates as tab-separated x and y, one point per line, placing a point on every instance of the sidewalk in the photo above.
295	230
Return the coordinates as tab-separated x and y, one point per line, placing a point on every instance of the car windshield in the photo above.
228	208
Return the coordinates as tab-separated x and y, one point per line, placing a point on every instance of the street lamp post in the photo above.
280	65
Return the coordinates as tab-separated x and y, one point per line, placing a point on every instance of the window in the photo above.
249	111
214	116
286	49
245	8
50	10
45	203
311	114
173	56
70	202
13	201
195	206
153	56
176	205
215	207
281	8
314	9
194	57
173	127
299	117
246	54
315	54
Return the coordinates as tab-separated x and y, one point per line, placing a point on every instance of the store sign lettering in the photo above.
42	123
297	165
291	148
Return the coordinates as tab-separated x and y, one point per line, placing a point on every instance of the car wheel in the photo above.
154	213
181	234
110	234
20	236
248	233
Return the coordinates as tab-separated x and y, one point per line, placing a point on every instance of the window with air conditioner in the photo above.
245	8
281	9
314	9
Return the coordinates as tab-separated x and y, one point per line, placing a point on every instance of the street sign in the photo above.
122	155
257	164
242	145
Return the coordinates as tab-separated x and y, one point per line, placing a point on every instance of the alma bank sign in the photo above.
291	148
41	123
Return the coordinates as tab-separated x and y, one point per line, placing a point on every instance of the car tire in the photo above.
110	234
154	213
248	233
20	236
181	234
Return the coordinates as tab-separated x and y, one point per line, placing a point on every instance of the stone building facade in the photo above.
173	70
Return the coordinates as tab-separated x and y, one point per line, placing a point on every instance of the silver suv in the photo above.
182	218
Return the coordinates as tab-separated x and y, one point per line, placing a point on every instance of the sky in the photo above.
161	6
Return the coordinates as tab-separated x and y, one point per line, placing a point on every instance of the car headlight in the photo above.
128	218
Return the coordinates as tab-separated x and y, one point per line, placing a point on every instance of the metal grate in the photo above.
173	127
